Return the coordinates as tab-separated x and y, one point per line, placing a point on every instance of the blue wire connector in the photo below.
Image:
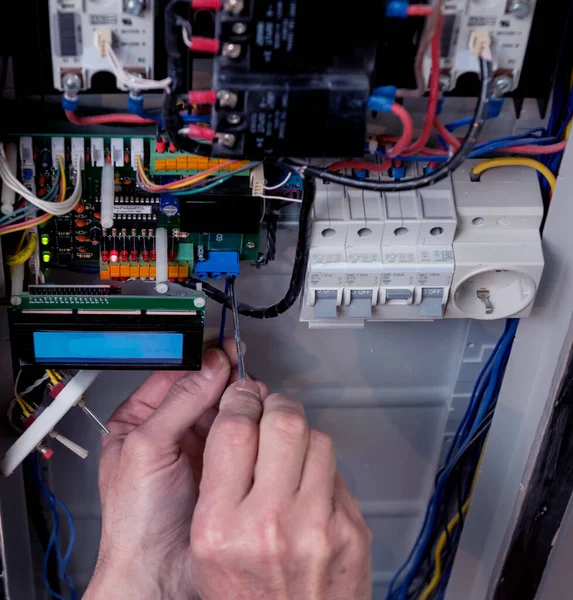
397	9
382	98
217	265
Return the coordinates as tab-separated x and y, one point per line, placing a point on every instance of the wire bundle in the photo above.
426	571
59	208
54	543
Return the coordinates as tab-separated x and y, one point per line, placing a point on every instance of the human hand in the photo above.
274	520
150	468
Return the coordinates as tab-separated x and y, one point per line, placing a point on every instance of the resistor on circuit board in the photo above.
123	245
134	246
152	252
172	255
144	246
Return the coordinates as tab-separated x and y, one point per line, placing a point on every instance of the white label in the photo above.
132	210
327	280
362	280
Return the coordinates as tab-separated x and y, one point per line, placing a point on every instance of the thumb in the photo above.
185	403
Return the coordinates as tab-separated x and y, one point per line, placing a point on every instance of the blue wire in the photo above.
493	379
223	316
54	541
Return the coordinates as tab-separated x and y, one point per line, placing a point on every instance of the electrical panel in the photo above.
78	29
460	249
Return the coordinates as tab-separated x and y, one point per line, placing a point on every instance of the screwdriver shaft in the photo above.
237	329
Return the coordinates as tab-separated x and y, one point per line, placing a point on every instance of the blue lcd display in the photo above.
108	347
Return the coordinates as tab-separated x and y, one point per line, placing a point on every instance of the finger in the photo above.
143	402
235	376
318	475
282	447
205	422
229	348
186	401
231	448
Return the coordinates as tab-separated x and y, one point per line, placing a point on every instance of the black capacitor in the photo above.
45	159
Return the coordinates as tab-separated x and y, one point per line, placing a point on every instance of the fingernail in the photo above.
248	385
213	361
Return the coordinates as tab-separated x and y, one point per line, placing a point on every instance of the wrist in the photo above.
127	584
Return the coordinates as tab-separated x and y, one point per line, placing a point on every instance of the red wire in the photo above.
450	139
107	119
202	97
359	165
550	149
202	133
407	129
434	94
203	44
206	4
419	10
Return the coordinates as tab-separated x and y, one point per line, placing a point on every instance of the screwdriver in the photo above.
237	328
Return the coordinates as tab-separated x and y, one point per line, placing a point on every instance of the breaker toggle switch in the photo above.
360	306
431	304
325	305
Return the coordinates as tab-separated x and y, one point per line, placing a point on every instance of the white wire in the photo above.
283	198
278	185
133	81
53	208
186	38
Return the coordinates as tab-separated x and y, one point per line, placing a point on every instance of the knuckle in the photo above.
272	545
315	543
207	540
286	417
234	429
322	441
138	443
185	388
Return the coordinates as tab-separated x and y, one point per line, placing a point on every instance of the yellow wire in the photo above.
21	256
52	377
517	162
444	537
57	375
26	404
63	183
21	242
23	407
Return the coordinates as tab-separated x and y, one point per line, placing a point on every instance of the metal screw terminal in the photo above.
231	50
227	99
72	83
250	245
239	28
135	7
502	84
445	82
234	6
234	119
228	140
519	8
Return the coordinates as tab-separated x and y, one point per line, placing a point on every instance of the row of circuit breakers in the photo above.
460	249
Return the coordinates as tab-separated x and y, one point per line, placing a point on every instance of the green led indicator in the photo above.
45	239
46	257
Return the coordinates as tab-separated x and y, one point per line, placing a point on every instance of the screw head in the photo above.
16	300
250	245
234	6
519	8
135	7
227	99
445	82
234	119
199	302
71	82
231	50
228	140
162	288
502	84
239	28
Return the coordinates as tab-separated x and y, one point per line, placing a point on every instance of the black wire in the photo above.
479	118
271	250
298	269
176	70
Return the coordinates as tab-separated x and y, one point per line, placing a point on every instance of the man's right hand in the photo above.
274	519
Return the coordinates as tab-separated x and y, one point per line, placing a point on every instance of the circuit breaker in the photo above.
458	249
